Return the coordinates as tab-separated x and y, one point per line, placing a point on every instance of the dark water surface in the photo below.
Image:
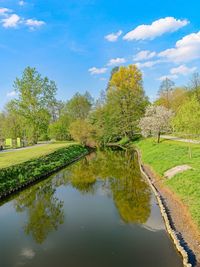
98	212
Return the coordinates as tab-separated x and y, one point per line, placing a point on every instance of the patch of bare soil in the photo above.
180	218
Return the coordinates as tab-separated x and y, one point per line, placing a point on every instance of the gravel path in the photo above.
180	139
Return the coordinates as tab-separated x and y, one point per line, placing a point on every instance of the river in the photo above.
98	212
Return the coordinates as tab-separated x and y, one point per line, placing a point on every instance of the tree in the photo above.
165	92
113	71
187	120
82	132
178	96
36	97
79	106
156	121
195	85
126	99
59	130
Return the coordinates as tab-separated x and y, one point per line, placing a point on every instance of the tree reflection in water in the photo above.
120	178
44	211
131	193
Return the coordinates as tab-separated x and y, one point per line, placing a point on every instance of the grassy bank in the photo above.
19	156
14	177
168	154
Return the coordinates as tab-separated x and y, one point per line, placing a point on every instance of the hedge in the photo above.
17	176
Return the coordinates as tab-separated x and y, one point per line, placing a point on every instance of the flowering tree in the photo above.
156	121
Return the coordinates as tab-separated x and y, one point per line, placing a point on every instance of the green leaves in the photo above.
17	175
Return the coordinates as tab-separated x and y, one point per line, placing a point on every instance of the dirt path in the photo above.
180	218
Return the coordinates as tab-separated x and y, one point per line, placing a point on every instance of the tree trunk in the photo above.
158	137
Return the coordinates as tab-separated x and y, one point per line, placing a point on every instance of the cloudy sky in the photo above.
77	42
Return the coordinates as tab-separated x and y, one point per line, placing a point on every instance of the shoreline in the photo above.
180	227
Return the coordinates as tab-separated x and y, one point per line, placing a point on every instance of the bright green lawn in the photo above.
168	154
18	156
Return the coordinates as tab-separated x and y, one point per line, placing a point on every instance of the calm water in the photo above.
98	212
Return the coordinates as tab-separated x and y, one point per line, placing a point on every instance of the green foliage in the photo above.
59	130
79	106
82	132
169	154
174	99
18	175
124	105
36	97
187	119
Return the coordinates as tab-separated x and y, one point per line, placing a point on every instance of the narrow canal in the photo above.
98	212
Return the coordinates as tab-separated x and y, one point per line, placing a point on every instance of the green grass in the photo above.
14	177
169	154
8	159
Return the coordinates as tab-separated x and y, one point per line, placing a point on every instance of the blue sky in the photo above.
77	42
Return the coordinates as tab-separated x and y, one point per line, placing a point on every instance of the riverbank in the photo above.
18	156
181	192
17	176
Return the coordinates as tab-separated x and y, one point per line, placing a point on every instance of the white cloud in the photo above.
116	61
147	64
113	37
170	76
28	253
11	21
143	55
186	49
21	3
182	70
95	70
11	94
157	28
33	23
4	11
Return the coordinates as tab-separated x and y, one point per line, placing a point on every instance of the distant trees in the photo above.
165	93
194	86
79	106
121	111
185	104
187	119
157	120
75	110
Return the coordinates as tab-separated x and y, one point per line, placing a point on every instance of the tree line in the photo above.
122	110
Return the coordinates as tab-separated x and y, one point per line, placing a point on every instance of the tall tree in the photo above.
36	97
195	85
165	91
126	99
113	71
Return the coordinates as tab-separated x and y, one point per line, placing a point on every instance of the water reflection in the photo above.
44	210
118	177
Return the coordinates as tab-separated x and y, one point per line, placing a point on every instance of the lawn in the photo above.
168	154
18	156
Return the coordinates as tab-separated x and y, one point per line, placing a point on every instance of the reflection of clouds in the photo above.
28	253
155	221
104	188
